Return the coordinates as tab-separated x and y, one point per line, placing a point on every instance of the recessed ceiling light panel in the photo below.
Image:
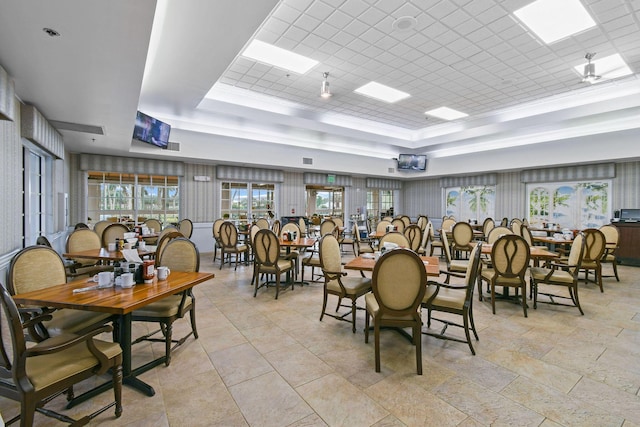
553	20
382	92
609	67
278	57
446	113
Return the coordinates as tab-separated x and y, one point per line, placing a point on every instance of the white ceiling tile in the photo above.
320	10
338	19
406	9
354	8
441	9
372	35
301	5
372	16
286	13
307	22
356	28
490	15
325	31
389	6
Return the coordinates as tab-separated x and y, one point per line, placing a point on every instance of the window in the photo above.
574	205
325	201
473	202
379	204
241	200
114	196
38	199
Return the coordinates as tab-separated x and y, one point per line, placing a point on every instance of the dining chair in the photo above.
79	241
406	219
426	237
80	225
398	284
454	267
350	239
436	241
516	226
230	243
40	267
262	223
448	224
99	227
185	226
179	254
361	246
395	237
497	232
382	226
595	243
276	226
487	225
422	222
156	226
337	221
267	259
611	236
217	244
336	281
162	243
42	240
328	226
398	223
559	274
33	375
113	232
454	299
291	227
413	233
510	256
302	225
462	237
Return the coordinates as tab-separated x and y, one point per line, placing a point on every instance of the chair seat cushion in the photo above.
590	264
352	285
538	274
459	265
49	369
313	260
450	298
72	321
237	248
283	265
373	308
166	307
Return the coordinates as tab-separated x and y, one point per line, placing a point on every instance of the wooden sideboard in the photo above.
628	252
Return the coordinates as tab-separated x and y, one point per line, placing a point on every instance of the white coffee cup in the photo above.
127	245
103	278
127	280
163	273
142	245
111	247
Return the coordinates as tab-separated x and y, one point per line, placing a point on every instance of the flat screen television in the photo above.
412	162
151	130
629	214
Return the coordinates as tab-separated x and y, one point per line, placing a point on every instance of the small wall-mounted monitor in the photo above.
412	162
150	130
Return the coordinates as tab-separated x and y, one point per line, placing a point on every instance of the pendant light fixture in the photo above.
324	89
590	75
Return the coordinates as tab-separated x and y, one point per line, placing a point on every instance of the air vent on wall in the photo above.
392	170
307	161
77	127
173	146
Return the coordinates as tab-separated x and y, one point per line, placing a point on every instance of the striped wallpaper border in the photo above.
465	181
569	173
234	173
90	162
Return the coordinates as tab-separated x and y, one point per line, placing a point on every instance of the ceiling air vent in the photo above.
173	146
77	127
307	161
392	170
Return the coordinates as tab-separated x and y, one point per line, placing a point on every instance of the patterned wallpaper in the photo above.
11	183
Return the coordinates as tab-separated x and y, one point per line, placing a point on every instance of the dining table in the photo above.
103	254
298	243
366	262
120	302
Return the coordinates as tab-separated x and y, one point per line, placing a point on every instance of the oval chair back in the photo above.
413	233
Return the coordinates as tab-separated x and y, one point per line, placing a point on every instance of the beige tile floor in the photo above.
266	362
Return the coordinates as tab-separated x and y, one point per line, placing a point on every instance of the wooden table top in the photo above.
552	241
366	263
301	242
114	300
106	255
535	251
